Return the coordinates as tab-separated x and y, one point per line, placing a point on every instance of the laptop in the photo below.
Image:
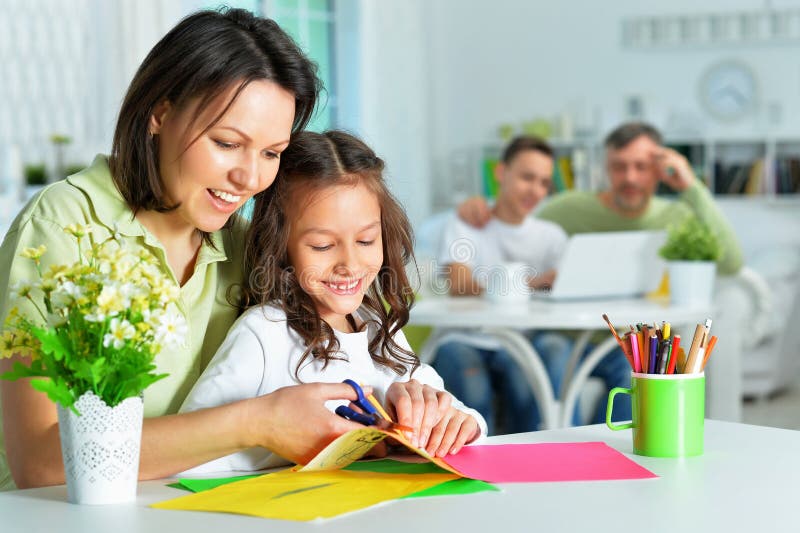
618	264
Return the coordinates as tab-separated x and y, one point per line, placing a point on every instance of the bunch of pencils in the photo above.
651	350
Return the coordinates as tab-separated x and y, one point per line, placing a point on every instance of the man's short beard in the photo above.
626	207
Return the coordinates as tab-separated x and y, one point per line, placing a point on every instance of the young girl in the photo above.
328	294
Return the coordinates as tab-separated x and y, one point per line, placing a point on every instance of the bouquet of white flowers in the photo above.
102	321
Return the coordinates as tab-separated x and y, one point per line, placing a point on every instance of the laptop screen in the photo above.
609	264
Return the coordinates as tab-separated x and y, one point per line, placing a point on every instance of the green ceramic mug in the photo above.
668	414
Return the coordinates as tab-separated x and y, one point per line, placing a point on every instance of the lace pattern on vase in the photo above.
100	447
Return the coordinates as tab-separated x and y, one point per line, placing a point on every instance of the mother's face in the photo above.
225	166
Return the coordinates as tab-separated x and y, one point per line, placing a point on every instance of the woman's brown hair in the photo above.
203	56
312	162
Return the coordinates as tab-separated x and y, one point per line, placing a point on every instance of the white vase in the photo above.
691	282
101	449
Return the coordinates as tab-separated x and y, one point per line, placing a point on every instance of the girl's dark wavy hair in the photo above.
203	56
312	162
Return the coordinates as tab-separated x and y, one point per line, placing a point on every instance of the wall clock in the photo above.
728	90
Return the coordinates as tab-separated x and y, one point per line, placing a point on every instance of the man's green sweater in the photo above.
583	212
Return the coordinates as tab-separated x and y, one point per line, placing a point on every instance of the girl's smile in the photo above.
344	288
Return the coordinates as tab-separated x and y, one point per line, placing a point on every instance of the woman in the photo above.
200	132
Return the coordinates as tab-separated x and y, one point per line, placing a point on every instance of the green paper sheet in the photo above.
390	466
199	485
454	487
448	488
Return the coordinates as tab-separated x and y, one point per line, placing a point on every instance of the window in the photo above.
311	24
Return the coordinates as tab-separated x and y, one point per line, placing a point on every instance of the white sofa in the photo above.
767	292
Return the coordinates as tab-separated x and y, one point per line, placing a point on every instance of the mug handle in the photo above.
614	392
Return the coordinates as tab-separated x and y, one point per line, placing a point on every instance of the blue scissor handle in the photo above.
355	416
361	401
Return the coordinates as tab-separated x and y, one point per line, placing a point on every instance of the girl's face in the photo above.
235	159
336	249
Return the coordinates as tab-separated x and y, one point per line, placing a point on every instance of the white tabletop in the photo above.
460	312
746	481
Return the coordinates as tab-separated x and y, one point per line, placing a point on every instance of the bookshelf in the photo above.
786	171
755	167
746	167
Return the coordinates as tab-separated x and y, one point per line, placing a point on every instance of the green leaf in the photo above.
57	392
20	371
89	371
52	343
691	240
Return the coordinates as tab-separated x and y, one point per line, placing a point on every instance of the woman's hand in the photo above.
452	432
417	406
294	423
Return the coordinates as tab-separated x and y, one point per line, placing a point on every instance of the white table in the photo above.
506	323
745	481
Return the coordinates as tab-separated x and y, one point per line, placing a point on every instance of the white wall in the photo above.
507	61
392	115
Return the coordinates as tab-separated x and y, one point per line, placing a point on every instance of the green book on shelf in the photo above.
558	179
564	164
489	182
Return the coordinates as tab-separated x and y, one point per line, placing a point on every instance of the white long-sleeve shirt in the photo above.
261	354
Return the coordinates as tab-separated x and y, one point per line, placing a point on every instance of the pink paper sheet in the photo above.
547	461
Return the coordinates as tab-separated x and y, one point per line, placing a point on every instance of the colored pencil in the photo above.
711	344
673	358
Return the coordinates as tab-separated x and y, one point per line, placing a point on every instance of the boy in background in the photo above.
478	370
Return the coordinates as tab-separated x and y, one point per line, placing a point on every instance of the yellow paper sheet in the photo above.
354	444
290	495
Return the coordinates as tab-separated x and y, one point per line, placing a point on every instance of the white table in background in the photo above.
507	322
746	481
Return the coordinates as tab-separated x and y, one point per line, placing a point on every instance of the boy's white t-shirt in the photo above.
261	354
539	244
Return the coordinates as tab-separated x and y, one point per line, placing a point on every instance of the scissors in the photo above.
373	414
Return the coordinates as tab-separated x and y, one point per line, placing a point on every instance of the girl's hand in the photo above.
418	406
452	432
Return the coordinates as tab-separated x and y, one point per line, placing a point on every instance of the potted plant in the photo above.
691	251
35	175
91	332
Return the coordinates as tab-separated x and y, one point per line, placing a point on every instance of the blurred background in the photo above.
438	86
